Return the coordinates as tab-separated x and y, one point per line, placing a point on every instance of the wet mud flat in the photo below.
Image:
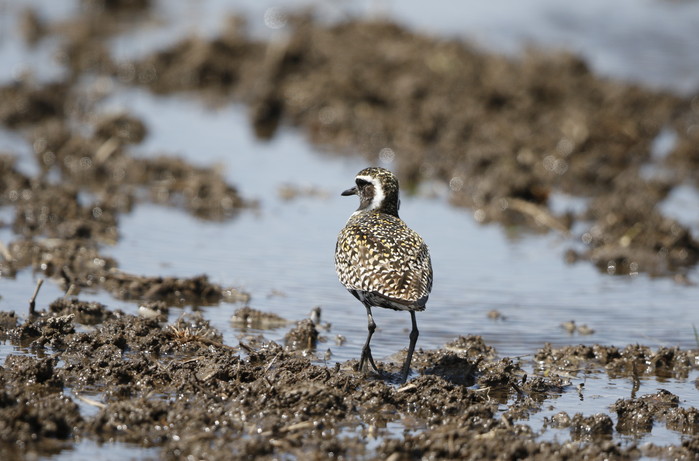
503	134
177	387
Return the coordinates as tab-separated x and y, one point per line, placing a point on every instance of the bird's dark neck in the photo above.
383	209
389	207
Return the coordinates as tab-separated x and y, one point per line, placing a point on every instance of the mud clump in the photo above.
48	331
637	416
171	290
454	369
591	427
121	127
35	415
8	321
30	419
121	6
26	105
633	360
62	225
303	336
247	317
471	346
86	313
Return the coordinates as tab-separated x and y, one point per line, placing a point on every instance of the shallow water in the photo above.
282	253
85	451
599	393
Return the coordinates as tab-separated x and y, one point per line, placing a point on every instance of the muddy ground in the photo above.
179	388
504	135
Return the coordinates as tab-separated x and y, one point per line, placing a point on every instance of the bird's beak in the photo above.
352	191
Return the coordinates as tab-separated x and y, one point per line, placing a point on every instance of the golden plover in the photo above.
380	260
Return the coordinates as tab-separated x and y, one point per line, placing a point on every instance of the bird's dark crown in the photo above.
377	189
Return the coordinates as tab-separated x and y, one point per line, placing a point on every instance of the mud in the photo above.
247	317
665	362
636	416
179	388
503	134
62	225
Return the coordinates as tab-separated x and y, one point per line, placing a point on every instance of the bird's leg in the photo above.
366	350
414	333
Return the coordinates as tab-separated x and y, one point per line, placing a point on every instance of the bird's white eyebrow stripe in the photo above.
379	194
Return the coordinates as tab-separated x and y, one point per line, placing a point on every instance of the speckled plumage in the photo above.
382	259
378	258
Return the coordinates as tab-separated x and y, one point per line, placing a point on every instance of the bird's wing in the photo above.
394	265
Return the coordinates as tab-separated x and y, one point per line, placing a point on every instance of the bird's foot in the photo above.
366	357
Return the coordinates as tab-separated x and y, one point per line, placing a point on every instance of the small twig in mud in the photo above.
507	420
269	365
540	214
32	300
482	389
518	389
106	150
626	239
303	425
245	347
5	252
407	387
89	401
696	334
264	373
68	276
486	390
69	292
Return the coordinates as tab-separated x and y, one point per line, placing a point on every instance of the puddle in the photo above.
680	200
477	268
85	451
598	394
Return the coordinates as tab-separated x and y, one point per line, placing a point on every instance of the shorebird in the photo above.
380	260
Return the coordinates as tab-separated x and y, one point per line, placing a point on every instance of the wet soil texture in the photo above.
504	134
179	388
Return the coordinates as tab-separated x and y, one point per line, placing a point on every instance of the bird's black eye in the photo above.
361	182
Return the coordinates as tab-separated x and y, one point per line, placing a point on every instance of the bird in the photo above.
380	260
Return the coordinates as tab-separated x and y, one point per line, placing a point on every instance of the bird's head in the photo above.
377	189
